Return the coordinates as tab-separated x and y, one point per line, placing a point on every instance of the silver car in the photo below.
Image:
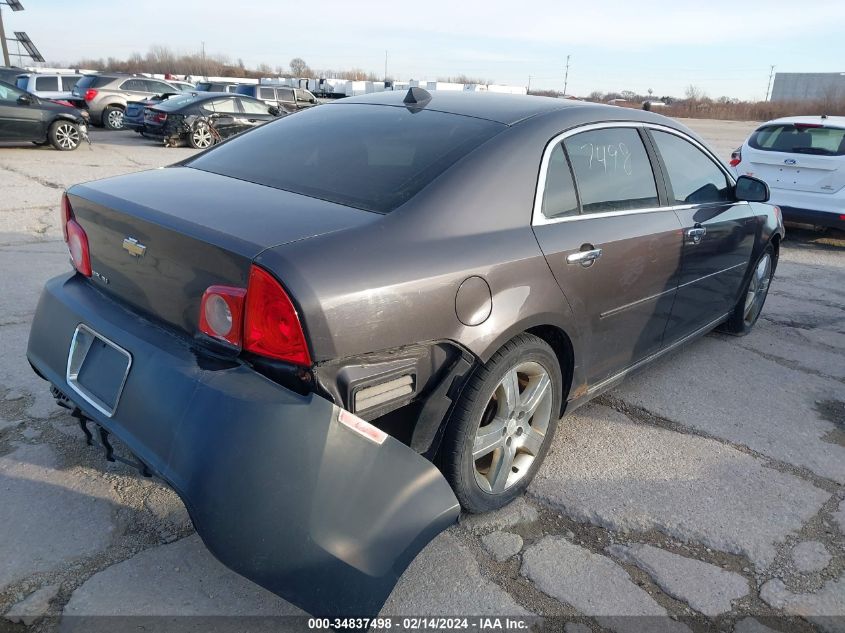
106	96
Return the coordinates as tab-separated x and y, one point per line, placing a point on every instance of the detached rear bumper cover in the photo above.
279	490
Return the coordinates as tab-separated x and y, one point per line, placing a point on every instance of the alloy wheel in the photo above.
201	137
758	287
513	427
67	136
116	119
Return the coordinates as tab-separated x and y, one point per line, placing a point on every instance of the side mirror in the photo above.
25	99
751	189
274	110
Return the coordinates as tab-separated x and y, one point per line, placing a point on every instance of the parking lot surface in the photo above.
711	484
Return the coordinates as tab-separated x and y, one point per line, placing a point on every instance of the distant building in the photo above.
808	86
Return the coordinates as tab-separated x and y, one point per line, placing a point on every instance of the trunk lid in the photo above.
796	171
159	238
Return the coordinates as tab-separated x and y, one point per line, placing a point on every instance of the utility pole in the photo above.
566	76
385	65
204	69
3	41
769	85
529	83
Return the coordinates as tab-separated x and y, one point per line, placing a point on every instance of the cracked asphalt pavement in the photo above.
706	491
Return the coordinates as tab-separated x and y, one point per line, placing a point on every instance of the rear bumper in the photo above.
828	219
279	489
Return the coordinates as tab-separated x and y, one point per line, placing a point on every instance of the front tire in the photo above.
750	304
503	424
64	135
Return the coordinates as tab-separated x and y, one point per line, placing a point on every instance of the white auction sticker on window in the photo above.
361	427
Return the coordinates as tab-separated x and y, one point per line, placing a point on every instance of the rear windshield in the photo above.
92	81
365	156
800	139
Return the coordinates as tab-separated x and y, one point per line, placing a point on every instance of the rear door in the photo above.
229	118
808	157
719	233
614	249
254	112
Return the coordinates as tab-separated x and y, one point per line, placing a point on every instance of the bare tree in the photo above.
694	93
298	67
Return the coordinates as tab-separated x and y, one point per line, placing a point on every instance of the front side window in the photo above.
254	107
9	93
22	82
612	170
266	93
559	197
159	87
694	178
47	83
286	94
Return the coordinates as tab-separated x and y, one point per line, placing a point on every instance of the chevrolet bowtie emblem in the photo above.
134	247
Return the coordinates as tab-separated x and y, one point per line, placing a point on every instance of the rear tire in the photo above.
751	300
64	135
113	118
503	424
200	136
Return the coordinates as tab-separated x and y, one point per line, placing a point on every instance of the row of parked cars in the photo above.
58	108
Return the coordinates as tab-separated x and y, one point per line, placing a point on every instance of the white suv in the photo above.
47	86
802	159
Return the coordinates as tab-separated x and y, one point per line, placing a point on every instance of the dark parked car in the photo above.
205	118
292	328
25	117
133	117
288	99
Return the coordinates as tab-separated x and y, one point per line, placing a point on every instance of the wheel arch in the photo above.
561	344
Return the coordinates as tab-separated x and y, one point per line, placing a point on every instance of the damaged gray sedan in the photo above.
332	332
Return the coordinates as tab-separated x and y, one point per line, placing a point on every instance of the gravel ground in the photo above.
708	485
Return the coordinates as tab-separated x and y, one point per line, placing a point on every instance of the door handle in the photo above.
585	258
695	234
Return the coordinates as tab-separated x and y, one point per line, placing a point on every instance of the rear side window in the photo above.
286	94
799	139
224	105
559	197
368	157
47	83
612	170
68	83
135	85
693	176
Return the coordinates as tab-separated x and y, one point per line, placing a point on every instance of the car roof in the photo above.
508	109
829	121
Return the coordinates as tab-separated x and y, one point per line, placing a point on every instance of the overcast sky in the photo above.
723	47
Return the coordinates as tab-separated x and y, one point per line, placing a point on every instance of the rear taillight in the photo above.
221	313
260	319
76	239
736	157
90	94
271	324
159	117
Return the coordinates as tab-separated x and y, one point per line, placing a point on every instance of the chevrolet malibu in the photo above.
333	332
